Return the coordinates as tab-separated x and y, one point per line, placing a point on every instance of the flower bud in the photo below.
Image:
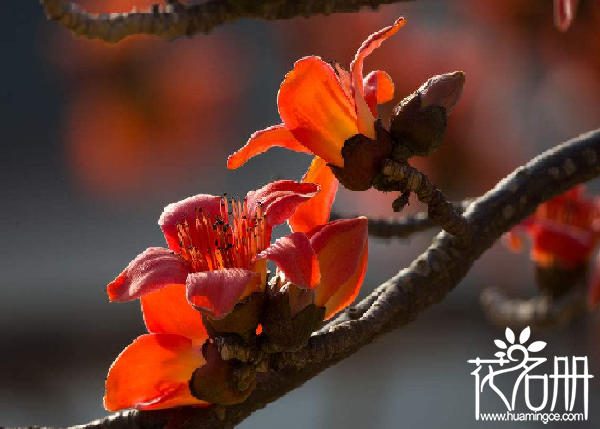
363	158
290	317
418	123
243	319
221	382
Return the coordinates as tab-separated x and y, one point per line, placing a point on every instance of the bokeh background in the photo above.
97	139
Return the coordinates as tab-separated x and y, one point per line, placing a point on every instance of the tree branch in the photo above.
405	226
176	19
399	300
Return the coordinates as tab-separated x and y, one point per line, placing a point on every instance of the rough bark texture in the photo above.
399	300
177	20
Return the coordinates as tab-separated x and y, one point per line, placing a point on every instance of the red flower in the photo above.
216	259
321	106
563	231
221	257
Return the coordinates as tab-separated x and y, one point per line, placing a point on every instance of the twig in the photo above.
539	312
399	300
405	226
406	179
177	20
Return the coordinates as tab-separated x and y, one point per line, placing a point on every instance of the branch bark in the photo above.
177	20
405	226
399	300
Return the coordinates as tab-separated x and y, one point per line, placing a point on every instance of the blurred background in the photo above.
97	139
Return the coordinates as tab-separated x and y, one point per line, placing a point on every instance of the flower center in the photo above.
229	240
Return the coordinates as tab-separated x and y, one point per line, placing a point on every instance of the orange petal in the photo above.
168	311
348	291
153	372
365	118
316	210
315	108
340	247
379	89
261	141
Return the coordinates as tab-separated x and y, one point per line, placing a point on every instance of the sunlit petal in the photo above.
316	210
153	373
151	270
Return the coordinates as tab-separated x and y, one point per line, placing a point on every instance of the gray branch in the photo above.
398	301
175	19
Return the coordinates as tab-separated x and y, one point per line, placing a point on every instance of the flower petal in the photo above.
217	292
261	141
315	108
316	211
153	372
340	247
378	89
373	42
151	270
279	200
566	244
295	257
177	212
347	292
168	311
564	13
365	119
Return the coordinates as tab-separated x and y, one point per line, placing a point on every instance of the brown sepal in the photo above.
419	130
281	331
222	382
243	319
363	158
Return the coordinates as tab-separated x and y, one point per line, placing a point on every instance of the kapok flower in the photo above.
564	231
221	255
322	106
154	371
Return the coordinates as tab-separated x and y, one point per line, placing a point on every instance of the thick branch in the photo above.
399	300
176	20
405	226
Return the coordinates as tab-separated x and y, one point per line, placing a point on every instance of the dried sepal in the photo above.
362	159
243	319
222	382
290	318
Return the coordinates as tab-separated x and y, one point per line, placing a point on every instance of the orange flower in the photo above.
321	106
564	231
154	371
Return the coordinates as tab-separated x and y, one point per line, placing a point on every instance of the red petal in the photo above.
339	245
217	292
365	118
176	213
379	89
566	244
168	311
279	200
348	291
153	373
295	257
261	141
564	13
316	211
315	108
151	270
